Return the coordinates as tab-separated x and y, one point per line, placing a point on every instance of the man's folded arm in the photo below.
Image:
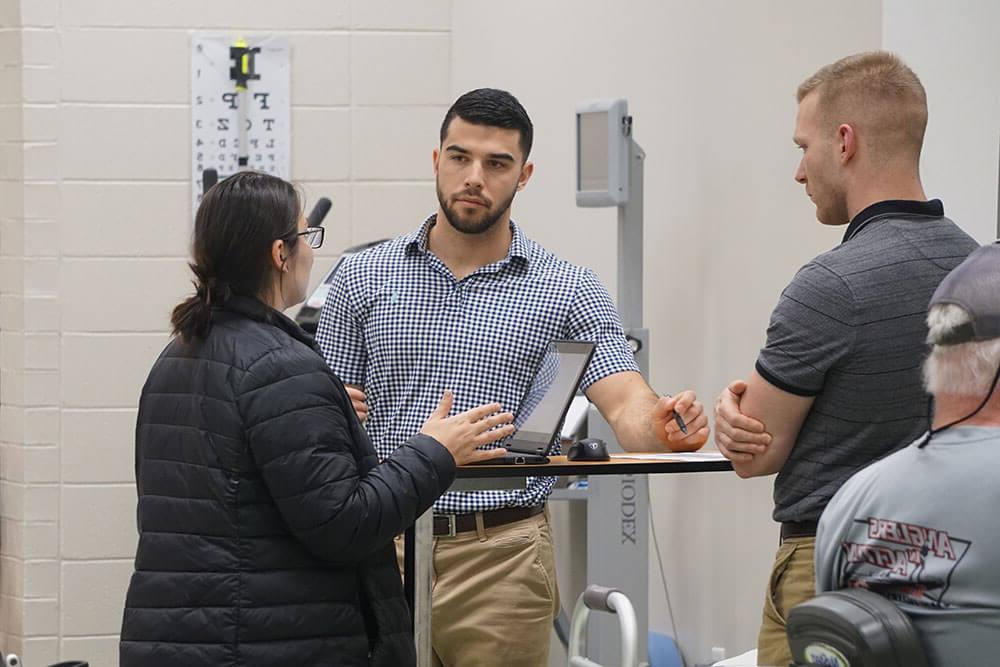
782	414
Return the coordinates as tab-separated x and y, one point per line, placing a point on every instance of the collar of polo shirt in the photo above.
417	242
895	209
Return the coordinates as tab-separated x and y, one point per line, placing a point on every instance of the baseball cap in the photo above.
973	286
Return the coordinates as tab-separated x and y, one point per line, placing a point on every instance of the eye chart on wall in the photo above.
240	101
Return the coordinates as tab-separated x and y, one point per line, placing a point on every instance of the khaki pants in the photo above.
793	581
494	595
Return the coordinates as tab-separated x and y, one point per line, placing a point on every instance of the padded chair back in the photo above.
853	628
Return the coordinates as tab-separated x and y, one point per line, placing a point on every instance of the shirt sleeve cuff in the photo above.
781	384
599	374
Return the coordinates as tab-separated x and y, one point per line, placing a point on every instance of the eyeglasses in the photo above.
314	236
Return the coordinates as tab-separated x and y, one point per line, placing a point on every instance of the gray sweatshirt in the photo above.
922	527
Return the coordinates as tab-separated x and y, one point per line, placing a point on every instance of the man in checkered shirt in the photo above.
468	303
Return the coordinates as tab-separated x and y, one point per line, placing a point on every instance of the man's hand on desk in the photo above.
691	411
737	436
645	422
359	400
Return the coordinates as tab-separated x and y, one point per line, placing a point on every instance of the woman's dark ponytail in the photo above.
192	317
236	223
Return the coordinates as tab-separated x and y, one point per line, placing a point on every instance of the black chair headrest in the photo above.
853	628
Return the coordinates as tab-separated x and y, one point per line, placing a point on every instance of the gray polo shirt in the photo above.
888	530
849	330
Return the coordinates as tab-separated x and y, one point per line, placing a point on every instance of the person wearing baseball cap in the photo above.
920	526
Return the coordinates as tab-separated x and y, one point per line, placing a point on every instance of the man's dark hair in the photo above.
495	108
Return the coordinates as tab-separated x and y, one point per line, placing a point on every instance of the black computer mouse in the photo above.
588	449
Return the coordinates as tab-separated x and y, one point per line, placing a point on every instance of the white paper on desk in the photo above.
674	456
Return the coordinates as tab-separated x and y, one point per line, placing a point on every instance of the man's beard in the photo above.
474	226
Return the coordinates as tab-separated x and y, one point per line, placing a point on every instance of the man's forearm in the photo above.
755	467
782	415
643	421
634	427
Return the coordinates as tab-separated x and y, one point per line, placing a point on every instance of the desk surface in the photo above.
618	465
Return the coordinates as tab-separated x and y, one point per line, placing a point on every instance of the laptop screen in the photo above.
544	405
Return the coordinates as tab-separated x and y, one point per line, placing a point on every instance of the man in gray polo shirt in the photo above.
915	526
837	384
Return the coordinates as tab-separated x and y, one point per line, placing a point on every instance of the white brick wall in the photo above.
99	650
107	370
385	210
29	341
219	15
323	73
91	445
39	13
98	70
415	15
141	285
317	139
124	138
98	521
394	143
94	233
94	594
124	219
415	78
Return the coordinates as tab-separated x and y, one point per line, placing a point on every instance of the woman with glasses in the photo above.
266	521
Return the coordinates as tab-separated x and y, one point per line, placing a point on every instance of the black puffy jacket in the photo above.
265	520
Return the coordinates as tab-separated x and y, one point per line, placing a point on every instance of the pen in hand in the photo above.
679	421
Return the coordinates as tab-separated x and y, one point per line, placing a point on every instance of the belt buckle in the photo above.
452	532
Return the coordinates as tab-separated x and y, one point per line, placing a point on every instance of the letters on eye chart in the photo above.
236	83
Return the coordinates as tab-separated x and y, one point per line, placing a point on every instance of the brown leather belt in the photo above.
790	529
451	524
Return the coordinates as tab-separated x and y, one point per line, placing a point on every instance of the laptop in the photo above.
543	407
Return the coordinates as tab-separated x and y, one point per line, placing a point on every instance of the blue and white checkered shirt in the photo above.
398	323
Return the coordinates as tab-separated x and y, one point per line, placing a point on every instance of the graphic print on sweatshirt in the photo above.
904	562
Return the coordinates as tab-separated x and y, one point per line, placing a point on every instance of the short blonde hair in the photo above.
877	94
